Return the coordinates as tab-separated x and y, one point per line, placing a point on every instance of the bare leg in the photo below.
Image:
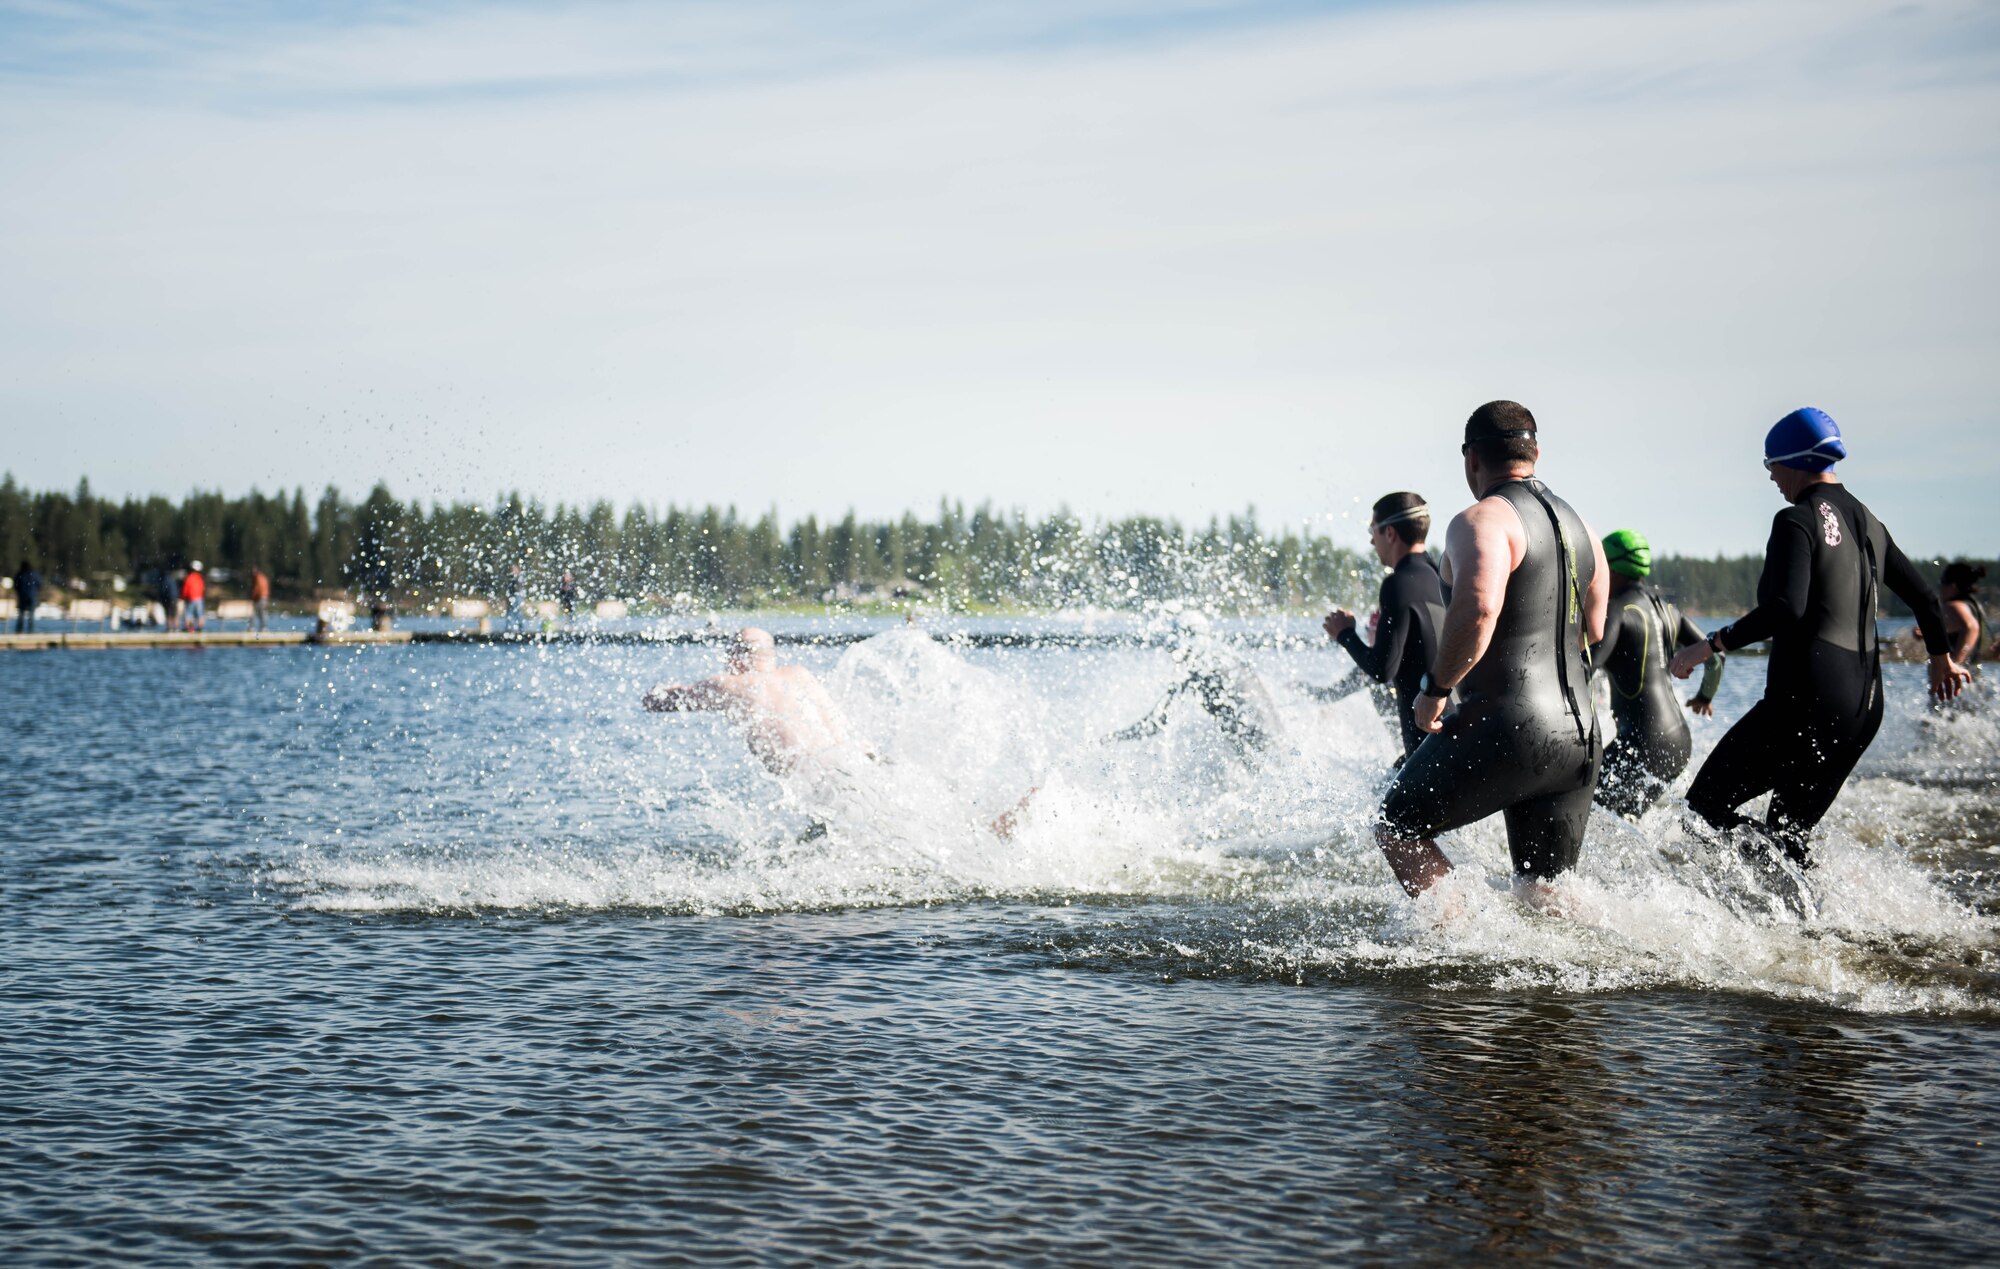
1008	820
1417	862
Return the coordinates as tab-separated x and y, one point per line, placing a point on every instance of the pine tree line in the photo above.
419	556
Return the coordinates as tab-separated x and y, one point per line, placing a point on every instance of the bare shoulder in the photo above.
1491	520
798	678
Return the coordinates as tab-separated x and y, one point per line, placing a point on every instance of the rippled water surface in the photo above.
453	955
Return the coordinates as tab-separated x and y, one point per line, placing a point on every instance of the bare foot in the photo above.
1443	901
1548	898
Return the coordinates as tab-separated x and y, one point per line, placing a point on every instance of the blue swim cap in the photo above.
1805	440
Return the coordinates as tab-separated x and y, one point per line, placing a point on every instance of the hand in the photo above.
1948	677
1688	659
1337	623
1701	705
1427	712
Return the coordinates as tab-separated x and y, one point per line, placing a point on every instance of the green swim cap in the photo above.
1628	552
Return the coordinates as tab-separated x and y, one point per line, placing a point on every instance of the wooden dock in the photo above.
97	640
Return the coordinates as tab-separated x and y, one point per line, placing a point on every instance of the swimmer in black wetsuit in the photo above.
1528	595
1823	570
1640	630
1226	687
1410	609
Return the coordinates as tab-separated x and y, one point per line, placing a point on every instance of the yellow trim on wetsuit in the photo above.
1645	656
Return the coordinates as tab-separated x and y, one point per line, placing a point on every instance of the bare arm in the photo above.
1966	642
678	698
1482	555
1597	599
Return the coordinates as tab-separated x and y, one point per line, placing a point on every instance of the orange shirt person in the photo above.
193	589
260	597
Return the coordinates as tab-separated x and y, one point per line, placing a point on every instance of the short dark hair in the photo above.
1502	433
1413	529
1963	575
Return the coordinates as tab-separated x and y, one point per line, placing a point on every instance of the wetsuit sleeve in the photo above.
1340	691
1381	661
1902	577
1782	591
1711	669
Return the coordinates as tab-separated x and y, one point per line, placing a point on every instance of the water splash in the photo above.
1184	861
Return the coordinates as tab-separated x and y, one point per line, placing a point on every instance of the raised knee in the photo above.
1707	808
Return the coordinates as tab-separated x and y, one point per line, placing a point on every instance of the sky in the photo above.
1170	257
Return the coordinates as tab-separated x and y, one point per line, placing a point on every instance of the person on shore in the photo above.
1824	567
27	597
260	599
1410	608
1653	742
788	720
566	594
193	590
517	597
1964	615
167	594
1528	597
1223	684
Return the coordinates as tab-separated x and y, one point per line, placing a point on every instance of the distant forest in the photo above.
420	556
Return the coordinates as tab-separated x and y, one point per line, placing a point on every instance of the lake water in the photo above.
454	955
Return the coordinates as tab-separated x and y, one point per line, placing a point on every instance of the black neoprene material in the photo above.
1411	602
1229	690
1827	559
1523	741
1822	705
1641	632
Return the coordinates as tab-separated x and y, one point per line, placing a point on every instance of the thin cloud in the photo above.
1173	269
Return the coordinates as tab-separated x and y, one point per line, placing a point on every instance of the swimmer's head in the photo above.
1628	553
1398	518
1189	633
1962	579
1501	440
1804	440
752	649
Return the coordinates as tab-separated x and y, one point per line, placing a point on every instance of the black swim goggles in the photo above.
1512	434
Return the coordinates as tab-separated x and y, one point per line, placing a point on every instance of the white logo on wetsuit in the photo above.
1831	523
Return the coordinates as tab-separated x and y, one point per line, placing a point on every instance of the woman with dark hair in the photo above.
1964	616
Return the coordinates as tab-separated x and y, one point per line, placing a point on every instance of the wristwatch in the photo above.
1715	642
1429	687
